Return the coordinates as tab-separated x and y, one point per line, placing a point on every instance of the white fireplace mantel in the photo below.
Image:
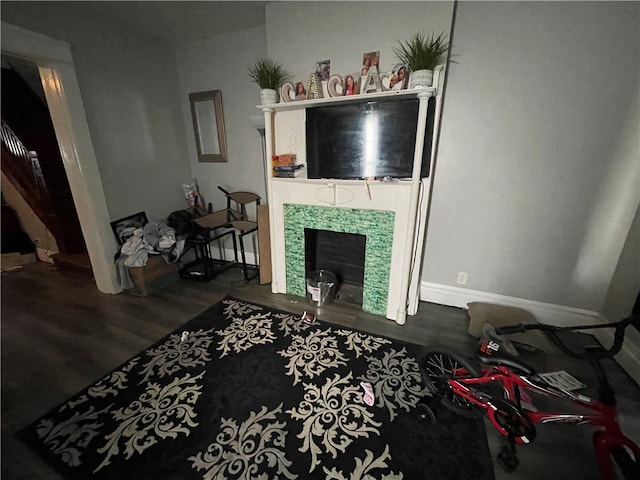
406	198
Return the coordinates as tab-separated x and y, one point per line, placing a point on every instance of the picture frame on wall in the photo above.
208	125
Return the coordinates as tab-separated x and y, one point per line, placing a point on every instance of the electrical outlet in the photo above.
462	278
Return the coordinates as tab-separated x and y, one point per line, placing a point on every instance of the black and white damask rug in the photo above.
243	391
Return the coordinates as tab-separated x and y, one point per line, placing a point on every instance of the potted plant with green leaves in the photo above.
422	53
269	75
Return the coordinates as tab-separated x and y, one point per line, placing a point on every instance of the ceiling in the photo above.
183	21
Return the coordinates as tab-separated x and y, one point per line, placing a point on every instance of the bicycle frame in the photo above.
608	438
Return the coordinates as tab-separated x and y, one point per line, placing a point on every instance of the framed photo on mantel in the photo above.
323	69
300	91
399	77
370	59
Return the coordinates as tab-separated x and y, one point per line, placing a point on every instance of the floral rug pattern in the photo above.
246	392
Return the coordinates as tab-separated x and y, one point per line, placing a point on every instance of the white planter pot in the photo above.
421	79
268	96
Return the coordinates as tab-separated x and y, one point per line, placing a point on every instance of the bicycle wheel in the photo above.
511	422
629	468
425	413
437	368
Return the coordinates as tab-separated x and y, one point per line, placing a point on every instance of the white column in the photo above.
410	240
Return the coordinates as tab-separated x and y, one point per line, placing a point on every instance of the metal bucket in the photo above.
321	287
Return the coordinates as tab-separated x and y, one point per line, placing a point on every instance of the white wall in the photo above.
624	288
537	177
625	285
301	33
221	63
130	92
296	34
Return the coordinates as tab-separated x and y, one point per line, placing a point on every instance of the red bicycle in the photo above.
459	385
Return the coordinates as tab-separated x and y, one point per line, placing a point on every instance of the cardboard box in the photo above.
156	274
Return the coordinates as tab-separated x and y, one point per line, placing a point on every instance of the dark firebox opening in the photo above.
340	253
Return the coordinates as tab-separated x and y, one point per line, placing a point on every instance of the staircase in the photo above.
32	162
78	262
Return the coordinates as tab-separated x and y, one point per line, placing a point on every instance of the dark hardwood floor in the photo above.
59	334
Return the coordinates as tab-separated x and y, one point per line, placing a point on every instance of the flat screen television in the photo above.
366	139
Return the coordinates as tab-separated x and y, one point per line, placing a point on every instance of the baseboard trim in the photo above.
552	314
560	315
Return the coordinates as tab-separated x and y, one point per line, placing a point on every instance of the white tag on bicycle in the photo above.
562	380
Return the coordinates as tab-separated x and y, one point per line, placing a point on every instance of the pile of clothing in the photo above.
153	239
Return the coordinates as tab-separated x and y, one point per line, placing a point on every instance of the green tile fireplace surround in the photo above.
378	227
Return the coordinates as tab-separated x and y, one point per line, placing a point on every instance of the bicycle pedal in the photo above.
507	459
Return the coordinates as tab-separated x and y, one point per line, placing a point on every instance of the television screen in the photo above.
367	139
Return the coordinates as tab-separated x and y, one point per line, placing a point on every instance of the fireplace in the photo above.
376	226
377	210
388	212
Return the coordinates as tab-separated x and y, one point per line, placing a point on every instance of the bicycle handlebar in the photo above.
594	354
